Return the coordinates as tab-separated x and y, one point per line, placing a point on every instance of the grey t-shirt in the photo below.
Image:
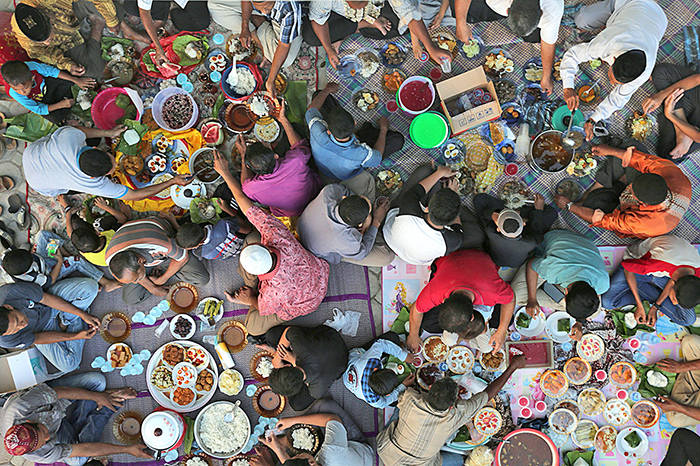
39	404
25	298
337	450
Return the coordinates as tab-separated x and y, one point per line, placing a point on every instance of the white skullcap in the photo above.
256	259
508	214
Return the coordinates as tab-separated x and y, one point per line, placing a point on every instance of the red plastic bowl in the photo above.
105	112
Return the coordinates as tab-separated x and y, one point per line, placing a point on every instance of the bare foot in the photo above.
129	33
383	24
109	285
229	296
683	143
97	24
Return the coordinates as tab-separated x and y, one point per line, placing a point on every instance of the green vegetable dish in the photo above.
523	321
633	439
564	325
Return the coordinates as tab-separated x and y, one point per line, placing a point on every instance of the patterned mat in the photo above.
496	35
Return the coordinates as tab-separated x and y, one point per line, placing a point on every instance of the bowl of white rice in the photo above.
218	438
249	81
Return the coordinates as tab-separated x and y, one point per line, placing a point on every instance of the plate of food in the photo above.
563	421
578	371
303	438
131	165
157	163
506	90
504	152
234	48
428	374
473	47
183	297
571	405
529	326
218	437
558	326
640	125
185	374
591	401
586	95
365	100
460	359
370	62
584	434
205	382
262	105
605	439
514	193
183	353
532	71
569	188
165	193
654	381
115	327
210	309
632	442
622	374
488	421
453	150
234	334
392	80
617	412
434	349
554	383
261	365
582	164
645	414
478	156
493	362
388	182
393	54
446	41
527	447
231	382
119	355
350	67
267	403
497	63
281	82
182	327
268	131
512	113
468	437
591	347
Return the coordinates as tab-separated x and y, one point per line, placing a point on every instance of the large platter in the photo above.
162	397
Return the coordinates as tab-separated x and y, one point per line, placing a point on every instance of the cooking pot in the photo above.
163	430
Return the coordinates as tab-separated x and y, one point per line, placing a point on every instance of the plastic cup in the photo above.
634	343
218	38
540	406
511	169
567	346
392	106
640	358
654	340
645	336
601	375
435	74
622	394
635	396
525	413
188	86
643	348
515	336
424	56
215	76
182	78
523	401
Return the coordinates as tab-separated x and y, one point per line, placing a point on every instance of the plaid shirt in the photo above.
363	363
288	14
636	220
416	437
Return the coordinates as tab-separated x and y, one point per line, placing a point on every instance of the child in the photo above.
92	240
366	378
222	240
44	270
42	88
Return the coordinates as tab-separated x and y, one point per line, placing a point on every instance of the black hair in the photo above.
581	301
260	159
17	261
4	319
650	188
524	16
296	462
190	235
510	225
629	66
383	381
476	327
688	291
286	381
353	210
340	123
444	207
85	239
95	162
455	313
15	72
123	261
443	394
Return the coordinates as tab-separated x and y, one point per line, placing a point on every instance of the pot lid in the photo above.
161	430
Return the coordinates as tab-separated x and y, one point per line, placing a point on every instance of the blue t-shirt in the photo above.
566	257
338	160
223	240
26	297
26	101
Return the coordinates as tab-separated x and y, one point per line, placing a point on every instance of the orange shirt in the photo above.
646	221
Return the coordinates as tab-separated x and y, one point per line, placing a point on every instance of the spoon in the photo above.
566	139
234	72
228	417
587	91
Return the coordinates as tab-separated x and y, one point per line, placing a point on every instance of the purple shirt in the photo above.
290	187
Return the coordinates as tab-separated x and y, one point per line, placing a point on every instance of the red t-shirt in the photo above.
468	269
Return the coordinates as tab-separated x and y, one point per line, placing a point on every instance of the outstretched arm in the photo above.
221	167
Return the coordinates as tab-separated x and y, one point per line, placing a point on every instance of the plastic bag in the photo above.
480	456
345	323
472	383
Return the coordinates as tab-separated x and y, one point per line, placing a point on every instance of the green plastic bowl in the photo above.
429	130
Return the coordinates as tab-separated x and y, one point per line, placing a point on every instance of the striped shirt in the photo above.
288	14
151	237
222	240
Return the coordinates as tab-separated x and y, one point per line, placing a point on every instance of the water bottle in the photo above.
522	143
446	65
640	358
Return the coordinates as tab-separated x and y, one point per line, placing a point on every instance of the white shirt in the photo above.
51	167
667	248
552	11
337	450
412	239
635	24
406	10
147	4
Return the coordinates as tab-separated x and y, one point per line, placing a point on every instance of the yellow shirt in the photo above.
98	258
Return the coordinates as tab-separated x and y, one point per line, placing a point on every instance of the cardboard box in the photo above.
452	89
22	369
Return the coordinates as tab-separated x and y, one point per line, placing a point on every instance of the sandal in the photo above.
19	211
6	239
6	183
